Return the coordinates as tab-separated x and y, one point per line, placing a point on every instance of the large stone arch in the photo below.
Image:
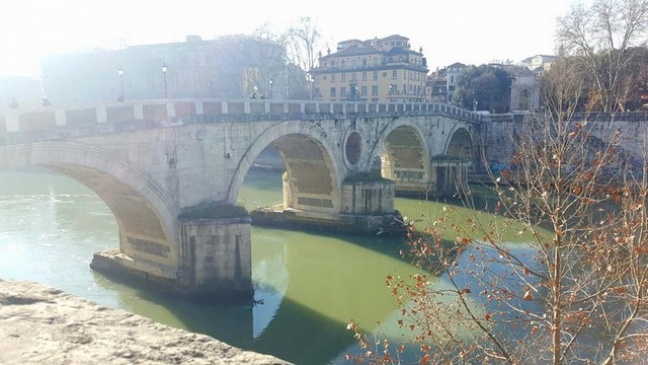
452	167
404	155
314	174
145	214
460	144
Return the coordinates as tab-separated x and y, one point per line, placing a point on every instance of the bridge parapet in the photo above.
51	122
591	117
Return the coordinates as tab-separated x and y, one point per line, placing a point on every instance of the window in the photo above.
364	62
353	76
332	63
364	76
374	90
363	91
452	79
404	89
332	93
375	75
343	93
343	77
394	74
333	77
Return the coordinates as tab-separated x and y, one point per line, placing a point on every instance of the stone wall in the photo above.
41	325
499	133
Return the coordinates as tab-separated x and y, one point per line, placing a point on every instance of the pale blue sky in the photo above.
468	31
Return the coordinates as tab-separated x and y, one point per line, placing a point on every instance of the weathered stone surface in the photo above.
41	325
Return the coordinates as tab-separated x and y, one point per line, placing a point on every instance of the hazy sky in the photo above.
468	31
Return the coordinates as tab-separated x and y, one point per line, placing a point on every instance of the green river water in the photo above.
309	284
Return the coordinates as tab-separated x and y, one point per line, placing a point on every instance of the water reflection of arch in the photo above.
141	207
313	173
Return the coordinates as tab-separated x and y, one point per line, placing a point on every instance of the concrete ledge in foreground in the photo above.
41	325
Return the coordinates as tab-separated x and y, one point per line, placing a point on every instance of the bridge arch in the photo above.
313	174
145	214
404	155
460	144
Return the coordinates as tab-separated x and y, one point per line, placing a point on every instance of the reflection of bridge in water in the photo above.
171	171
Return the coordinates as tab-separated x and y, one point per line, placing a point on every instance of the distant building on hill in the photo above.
436	86
454	73
441	84
524	93
375	70
539	63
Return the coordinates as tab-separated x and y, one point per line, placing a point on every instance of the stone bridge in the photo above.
171	171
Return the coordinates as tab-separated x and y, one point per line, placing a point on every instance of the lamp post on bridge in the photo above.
164	72
270	93
120	72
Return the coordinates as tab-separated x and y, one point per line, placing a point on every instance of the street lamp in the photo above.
120	72
164	72
270	94
311	84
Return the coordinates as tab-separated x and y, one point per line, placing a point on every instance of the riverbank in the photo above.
39	324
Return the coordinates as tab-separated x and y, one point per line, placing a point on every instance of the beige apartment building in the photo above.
376	70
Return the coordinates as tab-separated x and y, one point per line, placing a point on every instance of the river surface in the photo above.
308	285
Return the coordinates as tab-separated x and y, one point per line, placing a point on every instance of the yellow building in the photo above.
377	70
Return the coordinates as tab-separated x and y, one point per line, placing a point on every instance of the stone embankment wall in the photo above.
498	133
41	325
496	139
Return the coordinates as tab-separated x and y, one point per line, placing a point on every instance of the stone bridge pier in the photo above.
171	172
201	251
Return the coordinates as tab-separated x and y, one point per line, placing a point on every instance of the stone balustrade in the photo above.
24	125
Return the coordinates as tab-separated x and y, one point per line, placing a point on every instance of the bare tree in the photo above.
603	36
575	291
304	44
272	59
563	88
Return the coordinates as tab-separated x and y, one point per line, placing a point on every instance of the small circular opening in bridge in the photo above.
353	147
